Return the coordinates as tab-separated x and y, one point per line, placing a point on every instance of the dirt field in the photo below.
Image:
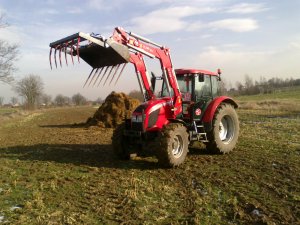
56	171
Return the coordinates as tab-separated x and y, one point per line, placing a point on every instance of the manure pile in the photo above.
112	112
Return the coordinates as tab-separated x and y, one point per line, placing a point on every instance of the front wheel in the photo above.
172	146
224	134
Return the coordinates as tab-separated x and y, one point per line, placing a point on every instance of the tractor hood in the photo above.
154	113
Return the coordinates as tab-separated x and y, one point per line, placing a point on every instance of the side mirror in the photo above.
219	73
201	77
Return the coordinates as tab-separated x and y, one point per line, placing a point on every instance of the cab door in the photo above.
185	83
202	95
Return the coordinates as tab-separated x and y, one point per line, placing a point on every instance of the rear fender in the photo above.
212	107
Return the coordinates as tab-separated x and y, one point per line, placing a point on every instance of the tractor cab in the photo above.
198	88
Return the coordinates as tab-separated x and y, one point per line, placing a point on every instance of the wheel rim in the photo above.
226	129
177	146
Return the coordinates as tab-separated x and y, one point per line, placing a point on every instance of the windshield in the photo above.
204	86
185	87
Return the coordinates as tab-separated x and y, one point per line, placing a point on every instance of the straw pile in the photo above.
112	112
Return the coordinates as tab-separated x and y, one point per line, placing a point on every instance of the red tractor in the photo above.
188	108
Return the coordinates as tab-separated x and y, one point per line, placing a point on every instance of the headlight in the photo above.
137	118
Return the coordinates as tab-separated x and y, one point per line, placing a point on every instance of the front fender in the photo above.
212	107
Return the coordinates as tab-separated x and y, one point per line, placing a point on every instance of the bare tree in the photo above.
46	99
136	94
62	100
14	100
248	82
1	100
99	100
239	86
8	56
59	100
223	87
31	88
68	100
78	99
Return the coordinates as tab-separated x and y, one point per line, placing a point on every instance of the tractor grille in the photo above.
153	118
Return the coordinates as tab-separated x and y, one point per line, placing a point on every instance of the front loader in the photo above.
188	108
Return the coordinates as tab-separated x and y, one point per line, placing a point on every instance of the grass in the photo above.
285	94
7	111
55	171
284	100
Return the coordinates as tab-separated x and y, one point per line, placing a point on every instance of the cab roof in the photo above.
187	71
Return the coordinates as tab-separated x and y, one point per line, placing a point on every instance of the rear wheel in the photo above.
120	144
224	134
172	145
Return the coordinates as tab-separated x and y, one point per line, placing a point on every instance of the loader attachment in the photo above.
95	50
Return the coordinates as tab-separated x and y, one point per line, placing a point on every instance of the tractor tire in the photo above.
172	145
119	143
225	130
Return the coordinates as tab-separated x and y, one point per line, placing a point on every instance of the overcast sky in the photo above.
258	38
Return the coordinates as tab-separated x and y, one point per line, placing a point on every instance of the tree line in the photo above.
30	89
261	86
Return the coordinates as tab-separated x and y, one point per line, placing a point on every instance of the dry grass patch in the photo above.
275	105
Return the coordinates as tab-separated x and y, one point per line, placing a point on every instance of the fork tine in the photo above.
78	41
103	76
108	74
60	47
98	76
94	75
120	73
66	48
55	56
88	77
50	53
116	70
71	46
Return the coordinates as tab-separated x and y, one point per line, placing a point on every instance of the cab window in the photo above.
203	88
215	86
185	87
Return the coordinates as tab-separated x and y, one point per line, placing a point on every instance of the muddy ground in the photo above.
54	170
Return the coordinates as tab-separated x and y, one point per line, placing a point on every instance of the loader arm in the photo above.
106	55
151	49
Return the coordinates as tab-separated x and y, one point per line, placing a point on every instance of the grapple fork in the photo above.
98	52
